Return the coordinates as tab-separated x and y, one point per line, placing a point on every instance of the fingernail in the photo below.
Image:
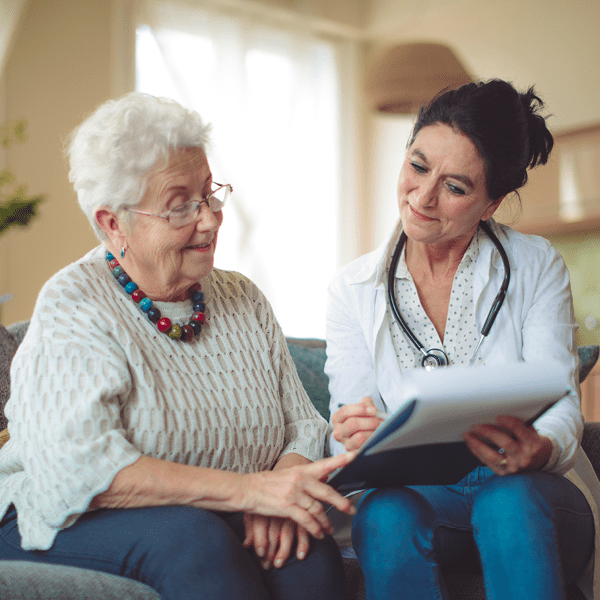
278	563
260	552
266	565
301	555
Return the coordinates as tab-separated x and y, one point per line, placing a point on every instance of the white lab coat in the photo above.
536	323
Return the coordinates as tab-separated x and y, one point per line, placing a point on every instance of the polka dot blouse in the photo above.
460	336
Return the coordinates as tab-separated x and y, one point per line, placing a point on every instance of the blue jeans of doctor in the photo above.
183	553
532	534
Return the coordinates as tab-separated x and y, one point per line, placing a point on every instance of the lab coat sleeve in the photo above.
549	329
349	364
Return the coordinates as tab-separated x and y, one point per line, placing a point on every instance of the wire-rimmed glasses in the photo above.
189	212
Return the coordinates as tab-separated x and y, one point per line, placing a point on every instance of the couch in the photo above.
31	581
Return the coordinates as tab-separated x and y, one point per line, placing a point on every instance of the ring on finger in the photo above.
308	505
503	463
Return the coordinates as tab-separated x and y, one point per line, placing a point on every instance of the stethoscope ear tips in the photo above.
434	358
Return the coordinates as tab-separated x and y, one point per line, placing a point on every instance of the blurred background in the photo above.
311	103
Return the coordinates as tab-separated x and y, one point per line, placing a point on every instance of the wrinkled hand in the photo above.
297	493
273	537
353	424
522	448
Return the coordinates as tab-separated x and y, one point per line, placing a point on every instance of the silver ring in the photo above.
500	450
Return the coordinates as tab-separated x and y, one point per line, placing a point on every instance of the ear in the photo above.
492	208
111	225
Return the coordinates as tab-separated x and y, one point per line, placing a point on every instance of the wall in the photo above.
57	71
552	44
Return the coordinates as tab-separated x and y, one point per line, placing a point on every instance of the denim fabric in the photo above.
183	553
531	534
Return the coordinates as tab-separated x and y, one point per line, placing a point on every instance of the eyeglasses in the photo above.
189	212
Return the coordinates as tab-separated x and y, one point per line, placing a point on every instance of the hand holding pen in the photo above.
353	424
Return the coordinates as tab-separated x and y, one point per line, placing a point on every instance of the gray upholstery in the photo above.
39	581
36	581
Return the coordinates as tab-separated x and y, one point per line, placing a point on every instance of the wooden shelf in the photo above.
563	196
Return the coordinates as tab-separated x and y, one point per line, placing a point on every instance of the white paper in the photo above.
449	401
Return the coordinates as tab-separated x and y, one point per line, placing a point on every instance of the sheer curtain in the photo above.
275	99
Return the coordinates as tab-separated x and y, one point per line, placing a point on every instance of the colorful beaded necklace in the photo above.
185	333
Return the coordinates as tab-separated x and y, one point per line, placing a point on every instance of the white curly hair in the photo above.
112	152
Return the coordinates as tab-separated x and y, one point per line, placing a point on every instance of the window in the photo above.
273	98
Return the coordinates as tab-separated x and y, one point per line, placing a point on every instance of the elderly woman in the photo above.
158	428
525	514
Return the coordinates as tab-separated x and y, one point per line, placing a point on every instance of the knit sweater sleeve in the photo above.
68	381
305	429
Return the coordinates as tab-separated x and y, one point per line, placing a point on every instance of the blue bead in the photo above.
123	279
131	287
197	327
153	314
198	296
199	306
109	256
145	304
118	270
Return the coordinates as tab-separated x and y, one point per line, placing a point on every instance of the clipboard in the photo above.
421	442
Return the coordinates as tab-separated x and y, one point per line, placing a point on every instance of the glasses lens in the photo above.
185	214
217	199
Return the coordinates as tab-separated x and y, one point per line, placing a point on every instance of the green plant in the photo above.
16	207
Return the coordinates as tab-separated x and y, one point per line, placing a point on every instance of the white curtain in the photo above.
278	105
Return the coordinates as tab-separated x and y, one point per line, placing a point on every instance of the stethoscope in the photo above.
435	357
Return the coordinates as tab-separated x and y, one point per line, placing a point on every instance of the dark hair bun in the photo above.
541	139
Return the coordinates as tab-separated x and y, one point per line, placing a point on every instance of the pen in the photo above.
379	414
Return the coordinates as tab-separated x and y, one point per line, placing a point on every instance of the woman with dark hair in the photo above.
422	300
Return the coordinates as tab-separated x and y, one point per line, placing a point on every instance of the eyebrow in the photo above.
462	178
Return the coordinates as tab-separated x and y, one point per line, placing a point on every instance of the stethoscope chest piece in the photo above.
434	358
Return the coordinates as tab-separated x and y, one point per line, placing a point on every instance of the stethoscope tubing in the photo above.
435	355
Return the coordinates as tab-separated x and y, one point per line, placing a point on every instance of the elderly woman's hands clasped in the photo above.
295	495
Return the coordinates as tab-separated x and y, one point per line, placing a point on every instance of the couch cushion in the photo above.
8	347
588	356
309	358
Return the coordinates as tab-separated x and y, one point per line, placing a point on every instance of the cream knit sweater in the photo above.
94	385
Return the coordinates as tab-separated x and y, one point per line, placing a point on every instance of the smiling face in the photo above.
163	261
442	192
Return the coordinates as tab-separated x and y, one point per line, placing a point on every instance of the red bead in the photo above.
194	287
200	317
137	295
113	263
187	333
164	325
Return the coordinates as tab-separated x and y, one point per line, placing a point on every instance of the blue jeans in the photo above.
183	553
531	534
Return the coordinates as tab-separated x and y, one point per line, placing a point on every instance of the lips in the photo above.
199	246
419	215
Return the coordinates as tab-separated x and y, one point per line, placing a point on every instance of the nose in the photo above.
427	194
207	219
